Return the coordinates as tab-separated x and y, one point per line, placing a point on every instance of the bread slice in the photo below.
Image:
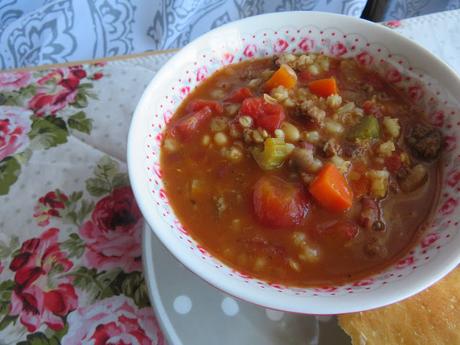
431	317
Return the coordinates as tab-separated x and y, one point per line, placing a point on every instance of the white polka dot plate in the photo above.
193	312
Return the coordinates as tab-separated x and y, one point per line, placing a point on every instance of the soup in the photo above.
302	170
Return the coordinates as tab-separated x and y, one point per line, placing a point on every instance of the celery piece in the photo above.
273	155
367	128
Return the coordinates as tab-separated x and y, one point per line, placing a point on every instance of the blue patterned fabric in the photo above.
35	32
400	9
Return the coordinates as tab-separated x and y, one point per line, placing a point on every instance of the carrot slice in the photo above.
323	87
331	190
284	76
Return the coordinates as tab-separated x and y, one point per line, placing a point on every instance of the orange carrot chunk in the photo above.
331	190
323	87
284	76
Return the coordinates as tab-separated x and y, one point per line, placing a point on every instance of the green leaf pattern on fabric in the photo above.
9	173
48	132
106	178
6	321
98	187
50	95
80	122
6	288
74	246
7	249
40	339
134	287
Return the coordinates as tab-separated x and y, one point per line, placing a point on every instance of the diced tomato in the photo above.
239	95
252	106
273	116
338	233
187	125
198	104
266	115
393	163
278	203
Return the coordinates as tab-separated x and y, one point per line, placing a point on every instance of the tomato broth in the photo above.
302	170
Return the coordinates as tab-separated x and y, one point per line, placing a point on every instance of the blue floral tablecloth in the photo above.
400	9
53	31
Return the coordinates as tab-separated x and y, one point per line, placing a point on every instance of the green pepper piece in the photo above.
367	128
273	155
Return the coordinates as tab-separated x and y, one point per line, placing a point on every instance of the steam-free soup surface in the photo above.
301	170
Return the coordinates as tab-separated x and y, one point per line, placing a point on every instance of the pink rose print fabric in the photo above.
113	321
66	81
73	273
113	234
86	285
34	306
14	80
43	103
14	126
33	299
48	206
39	111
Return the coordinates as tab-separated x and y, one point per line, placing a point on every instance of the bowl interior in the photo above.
426	81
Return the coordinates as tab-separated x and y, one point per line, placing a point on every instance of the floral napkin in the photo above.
70	241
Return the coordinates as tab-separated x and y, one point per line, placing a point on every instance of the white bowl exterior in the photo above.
438	251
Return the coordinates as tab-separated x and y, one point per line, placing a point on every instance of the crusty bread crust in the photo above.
431	317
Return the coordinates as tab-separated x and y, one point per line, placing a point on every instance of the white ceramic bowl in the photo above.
425	79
